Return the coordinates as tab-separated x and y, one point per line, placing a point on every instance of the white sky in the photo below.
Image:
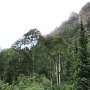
19	16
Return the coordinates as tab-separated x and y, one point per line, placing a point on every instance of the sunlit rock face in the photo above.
84	14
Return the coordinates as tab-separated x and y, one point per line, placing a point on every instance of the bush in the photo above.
36	82
5	86
63	87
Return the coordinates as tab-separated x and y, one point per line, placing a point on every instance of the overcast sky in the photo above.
19	16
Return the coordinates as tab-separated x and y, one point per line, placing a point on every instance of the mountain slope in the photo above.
70	27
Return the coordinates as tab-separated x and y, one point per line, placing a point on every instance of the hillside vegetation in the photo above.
58	61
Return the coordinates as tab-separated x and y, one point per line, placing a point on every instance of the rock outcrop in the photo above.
69	27
84	14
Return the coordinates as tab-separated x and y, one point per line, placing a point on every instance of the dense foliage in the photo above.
35	62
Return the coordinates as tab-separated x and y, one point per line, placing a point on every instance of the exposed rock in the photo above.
73	16
70	27
55	31
67	28
84	14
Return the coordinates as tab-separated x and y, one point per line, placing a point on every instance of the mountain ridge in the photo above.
67	28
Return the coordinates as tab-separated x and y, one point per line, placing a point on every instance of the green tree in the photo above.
83	66
28	40
13	63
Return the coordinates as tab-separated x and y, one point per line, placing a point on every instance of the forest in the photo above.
52	62
57	61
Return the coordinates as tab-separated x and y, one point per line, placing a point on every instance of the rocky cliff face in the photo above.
73	16
84	14
69	27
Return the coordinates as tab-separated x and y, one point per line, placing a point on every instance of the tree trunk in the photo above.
51	73
33	62
59	71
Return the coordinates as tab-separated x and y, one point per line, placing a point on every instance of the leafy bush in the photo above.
5	86
35	82
63	87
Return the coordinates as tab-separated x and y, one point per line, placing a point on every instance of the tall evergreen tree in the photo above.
83	67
